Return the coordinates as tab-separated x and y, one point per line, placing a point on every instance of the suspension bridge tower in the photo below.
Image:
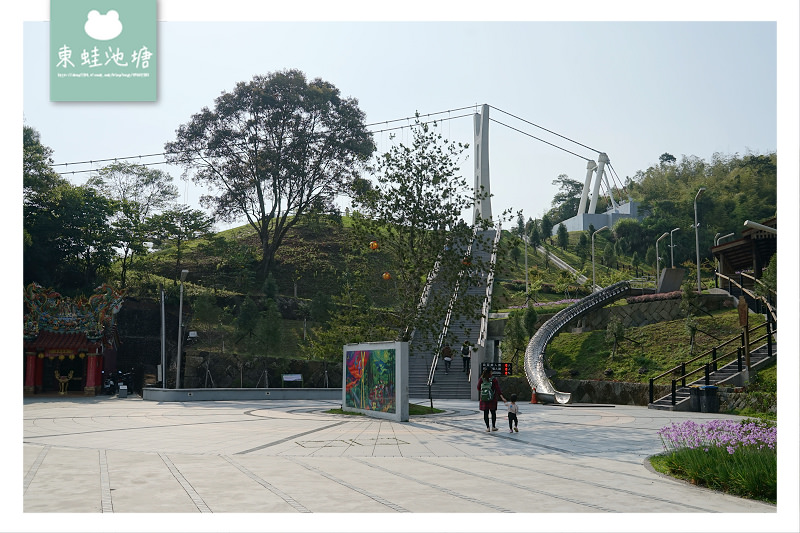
483	201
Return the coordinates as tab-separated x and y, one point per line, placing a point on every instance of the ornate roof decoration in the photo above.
49	311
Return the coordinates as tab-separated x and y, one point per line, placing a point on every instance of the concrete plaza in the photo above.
290	457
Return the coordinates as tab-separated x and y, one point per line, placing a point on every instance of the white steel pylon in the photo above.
483	203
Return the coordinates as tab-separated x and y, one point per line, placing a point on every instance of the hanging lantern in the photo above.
40	355
71	356
82	355
60	357
387	276
373	245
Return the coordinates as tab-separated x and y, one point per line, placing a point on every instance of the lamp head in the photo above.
183	274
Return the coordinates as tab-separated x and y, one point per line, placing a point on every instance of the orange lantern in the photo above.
387	276
82	355
373	245
40	355
71	356
60	357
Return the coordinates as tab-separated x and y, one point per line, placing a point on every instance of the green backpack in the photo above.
487	392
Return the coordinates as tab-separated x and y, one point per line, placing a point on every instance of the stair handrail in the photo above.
715	359
443	334
487	302
772	309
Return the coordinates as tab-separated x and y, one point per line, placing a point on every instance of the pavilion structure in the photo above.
66	340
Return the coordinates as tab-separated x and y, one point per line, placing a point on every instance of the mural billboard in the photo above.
375	378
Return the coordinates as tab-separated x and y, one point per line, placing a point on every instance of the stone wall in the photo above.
641	314
586	391
759	402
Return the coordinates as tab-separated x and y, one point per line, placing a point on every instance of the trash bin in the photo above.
123	391
709	399
694	399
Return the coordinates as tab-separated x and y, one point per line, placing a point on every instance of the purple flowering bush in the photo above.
736	457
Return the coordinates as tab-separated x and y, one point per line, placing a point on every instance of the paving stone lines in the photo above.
123	456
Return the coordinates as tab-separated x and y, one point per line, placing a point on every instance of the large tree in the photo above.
174	227
272	150
139	192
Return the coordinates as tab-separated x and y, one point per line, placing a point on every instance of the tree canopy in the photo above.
272	150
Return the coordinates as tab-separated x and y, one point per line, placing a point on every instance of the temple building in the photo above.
69	343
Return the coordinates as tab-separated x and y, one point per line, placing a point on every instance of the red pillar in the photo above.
30	373
92	374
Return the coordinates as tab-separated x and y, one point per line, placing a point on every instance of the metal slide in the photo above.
534	354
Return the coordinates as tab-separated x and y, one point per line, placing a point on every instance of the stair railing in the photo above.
712	364
769	303
487	302
443	334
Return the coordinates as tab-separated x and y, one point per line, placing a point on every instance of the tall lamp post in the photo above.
671	248
525	238
658	258
593	234
717	238
697	238
163	341
180	332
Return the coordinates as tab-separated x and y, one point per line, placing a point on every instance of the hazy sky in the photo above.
721	76
631	89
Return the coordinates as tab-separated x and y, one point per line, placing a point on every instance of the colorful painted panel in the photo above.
370	380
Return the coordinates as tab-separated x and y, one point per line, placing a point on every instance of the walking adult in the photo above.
489	392
466	354
447	354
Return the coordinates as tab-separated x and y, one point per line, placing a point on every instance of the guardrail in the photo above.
770	303
741	351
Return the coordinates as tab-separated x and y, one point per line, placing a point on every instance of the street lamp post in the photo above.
525	239
163	341
180	332
593	234
671	248
658	258
697	238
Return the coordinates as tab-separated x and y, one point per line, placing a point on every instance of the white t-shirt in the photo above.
513	408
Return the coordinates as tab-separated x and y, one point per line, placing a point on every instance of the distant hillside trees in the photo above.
272	151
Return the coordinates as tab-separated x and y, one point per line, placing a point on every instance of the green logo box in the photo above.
103	50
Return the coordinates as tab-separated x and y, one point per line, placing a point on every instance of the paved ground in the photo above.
111	455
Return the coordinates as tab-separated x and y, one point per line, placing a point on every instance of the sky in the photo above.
631	79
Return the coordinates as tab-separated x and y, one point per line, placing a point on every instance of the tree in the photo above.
608	255
85	240
666	158
40	185
532	227
516	253
635	262
414	210
519	230
275	149
139	192
568	198
615	332
563	236
547	228
176	226
582	249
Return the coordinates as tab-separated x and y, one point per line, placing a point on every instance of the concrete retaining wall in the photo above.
199	395
587	391
641	314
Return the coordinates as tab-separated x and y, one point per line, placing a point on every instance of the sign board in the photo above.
375	378
498	369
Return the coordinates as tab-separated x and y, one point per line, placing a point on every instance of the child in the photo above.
513	409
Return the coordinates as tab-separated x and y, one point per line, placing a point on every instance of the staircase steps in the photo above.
726	374
455	384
